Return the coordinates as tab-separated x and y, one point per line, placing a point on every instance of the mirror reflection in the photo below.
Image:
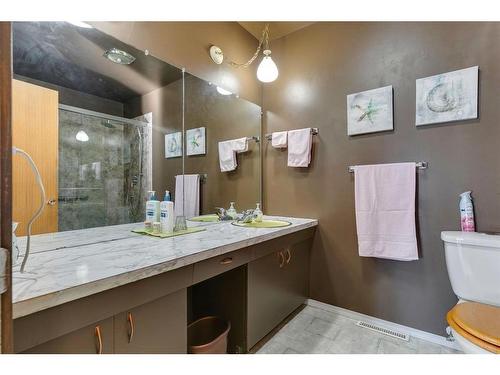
102	121
216	120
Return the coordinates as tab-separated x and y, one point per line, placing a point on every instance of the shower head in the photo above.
119	57
108	124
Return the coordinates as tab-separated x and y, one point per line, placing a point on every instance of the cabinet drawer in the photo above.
276	286
220	264
94	339
157	327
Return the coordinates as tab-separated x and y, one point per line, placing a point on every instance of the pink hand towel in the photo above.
299	147
385	211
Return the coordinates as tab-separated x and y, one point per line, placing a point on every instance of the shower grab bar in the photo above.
314	131
418	165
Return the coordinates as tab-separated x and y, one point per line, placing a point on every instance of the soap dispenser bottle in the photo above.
152	207
167	214
258	213
231	211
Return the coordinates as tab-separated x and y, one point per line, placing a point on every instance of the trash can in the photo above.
208	336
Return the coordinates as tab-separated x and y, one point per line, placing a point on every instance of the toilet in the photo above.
473	263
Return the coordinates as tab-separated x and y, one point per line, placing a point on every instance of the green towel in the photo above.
167	235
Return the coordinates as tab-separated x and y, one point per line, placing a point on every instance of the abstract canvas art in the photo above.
173	145
195	141
447	97
370	111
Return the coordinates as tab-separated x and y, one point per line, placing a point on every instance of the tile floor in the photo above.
317	331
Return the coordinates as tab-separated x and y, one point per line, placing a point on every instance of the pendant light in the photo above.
267	70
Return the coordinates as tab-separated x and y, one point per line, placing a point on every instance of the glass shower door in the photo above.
100	171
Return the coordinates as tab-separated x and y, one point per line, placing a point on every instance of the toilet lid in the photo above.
480	323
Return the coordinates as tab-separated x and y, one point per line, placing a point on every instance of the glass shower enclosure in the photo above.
102	174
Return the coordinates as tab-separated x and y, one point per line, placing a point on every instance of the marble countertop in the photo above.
66	266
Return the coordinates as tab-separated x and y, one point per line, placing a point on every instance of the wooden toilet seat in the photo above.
477	322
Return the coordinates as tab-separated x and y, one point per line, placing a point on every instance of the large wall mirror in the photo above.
215	115
103	120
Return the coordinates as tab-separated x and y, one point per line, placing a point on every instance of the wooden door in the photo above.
157	327
94	339
35	127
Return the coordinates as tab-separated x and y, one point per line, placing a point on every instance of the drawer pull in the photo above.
281	258
131	331
227	260
99	339
289	256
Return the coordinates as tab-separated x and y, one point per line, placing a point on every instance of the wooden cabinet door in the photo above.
273	291
93	339
155	327
35	129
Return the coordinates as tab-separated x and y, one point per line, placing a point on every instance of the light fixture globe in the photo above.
267	70
81	136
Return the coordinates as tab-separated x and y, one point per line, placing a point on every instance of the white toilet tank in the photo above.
473	262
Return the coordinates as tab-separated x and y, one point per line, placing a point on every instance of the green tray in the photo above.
264	224
205	219
167	235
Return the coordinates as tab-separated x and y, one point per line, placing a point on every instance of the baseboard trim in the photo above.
431	337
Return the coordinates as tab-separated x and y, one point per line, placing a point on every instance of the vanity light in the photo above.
82	136
267	70
80	24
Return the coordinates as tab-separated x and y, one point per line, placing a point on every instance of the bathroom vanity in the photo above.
129	293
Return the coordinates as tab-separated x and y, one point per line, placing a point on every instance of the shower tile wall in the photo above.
95	176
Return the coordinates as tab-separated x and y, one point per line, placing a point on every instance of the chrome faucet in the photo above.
222	214
247	216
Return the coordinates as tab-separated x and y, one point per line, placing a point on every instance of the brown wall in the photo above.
186	44
319	66
225	117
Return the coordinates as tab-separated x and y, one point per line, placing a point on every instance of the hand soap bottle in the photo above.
167	214
231	211
258	213
152	207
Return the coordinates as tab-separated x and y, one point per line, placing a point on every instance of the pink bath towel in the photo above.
299	147
385	211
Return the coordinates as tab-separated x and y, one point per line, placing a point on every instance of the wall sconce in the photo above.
267	70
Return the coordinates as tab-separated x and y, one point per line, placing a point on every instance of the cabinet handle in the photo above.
281	258
99	339
289	256
130	319
227	260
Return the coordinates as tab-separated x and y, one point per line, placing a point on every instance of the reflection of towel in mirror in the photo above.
227	153
299	147
279	139
191	197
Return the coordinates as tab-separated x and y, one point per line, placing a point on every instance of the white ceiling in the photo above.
276	29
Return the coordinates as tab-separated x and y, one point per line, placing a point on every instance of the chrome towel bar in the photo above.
418	164
269	136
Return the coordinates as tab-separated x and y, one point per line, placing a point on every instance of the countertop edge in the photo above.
46	301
